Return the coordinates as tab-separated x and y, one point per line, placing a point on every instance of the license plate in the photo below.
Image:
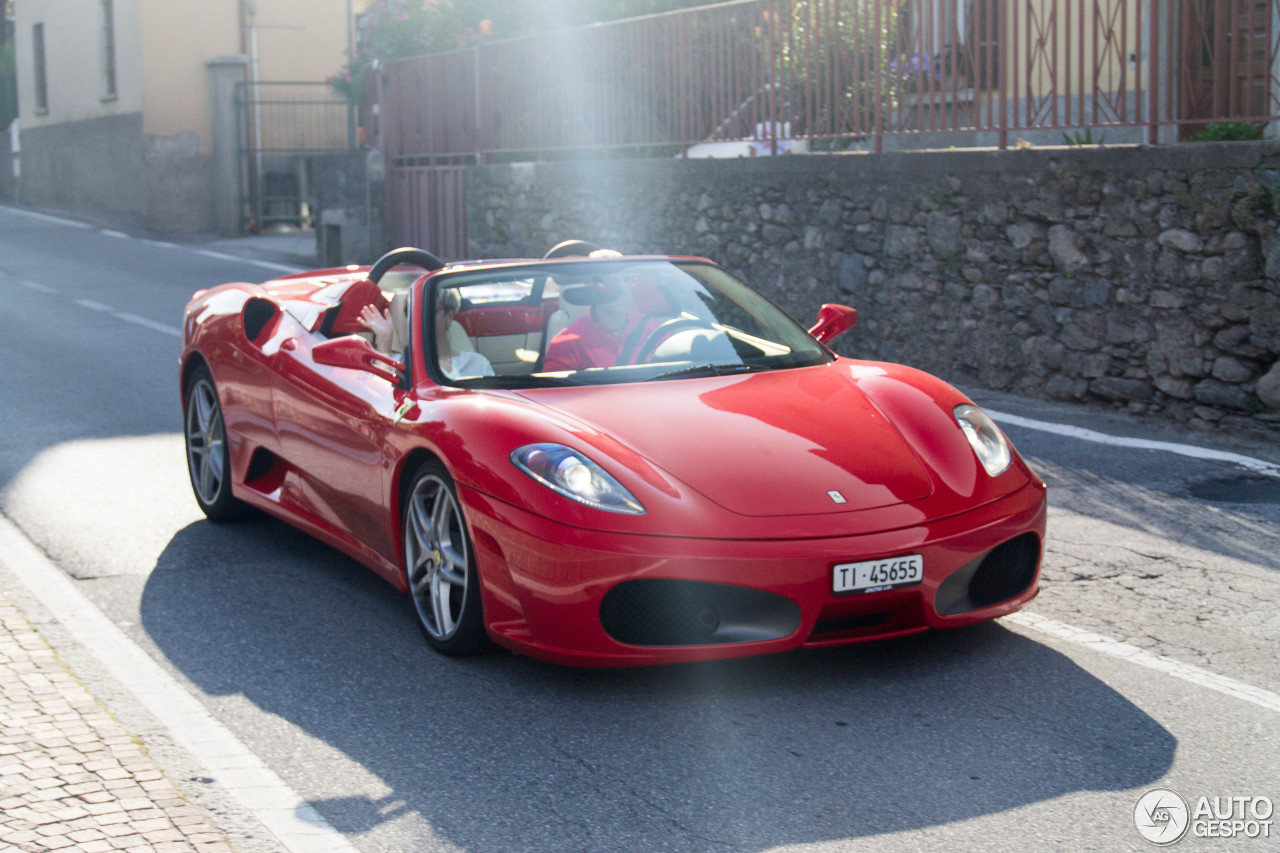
878	575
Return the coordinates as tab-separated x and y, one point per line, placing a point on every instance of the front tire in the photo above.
440	565
208	461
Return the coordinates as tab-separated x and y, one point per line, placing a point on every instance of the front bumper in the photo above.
546	584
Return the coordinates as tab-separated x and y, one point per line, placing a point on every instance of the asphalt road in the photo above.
1149	660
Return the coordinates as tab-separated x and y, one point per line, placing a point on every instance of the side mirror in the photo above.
833	321
356	353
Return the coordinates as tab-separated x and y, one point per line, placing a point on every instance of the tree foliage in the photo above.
395	29
849	41
512	18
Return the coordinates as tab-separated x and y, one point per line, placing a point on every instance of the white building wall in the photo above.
74	61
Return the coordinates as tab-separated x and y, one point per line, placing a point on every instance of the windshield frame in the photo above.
801	349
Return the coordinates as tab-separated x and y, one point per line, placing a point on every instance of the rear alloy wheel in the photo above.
208	462
440	566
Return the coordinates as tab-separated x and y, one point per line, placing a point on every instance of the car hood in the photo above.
791	442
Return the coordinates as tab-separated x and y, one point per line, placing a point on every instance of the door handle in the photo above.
289	344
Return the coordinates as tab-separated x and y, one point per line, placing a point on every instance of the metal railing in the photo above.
839	73
280	125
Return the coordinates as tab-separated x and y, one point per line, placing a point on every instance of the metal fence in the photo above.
280	125
835	73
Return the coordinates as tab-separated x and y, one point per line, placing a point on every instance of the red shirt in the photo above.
585	343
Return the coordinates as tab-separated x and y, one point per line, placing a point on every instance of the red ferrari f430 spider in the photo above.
603	460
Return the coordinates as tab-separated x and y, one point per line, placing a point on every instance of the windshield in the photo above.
608	321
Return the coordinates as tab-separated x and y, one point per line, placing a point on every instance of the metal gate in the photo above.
280	125
429	209
1229	55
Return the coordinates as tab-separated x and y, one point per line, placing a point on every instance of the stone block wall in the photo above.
1145	278
93	168
350	193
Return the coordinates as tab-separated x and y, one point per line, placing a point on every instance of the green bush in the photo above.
860	34
8	86
1230	131
1084	137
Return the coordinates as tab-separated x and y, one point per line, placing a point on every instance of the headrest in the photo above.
346	319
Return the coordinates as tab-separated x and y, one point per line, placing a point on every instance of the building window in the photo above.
42	83
108	49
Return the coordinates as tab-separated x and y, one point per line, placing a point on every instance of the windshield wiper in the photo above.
709	370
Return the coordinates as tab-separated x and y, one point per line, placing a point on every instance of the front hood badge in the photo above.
836	497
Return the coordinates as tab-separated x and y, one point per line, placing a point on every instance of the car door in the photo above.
330	422
244	372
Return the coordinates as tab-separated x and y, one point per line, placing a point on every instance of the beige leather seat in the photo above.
458	338
399	321
565	313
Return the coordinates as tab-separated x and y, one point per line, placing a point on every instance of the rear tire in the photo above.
208	460
440	567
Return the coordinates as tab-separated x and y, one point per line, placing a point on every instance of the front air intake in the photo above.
694	613
1002	573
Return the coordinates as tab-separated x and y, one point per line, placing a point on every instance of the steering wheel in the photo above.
404	255
665	329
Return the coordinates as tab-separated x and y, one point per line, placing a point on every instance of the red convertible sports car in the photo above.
603	460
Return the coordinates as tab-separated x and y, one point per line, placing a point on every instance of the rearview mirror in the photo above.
355	352
833	321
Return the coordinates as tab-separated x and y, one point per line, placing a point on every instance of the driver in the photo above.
595	339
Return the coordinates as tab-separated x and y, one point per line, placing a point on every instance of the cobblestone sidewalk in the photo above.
71	777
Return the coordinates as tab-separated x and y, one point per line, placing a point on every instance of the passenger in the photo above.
378	322
454	363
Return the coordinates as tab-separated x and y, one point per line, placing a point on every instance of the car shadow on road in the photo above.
499	752
1153	496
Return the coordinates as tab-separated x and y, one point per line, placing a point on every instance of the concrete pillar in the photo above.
11	164
224	73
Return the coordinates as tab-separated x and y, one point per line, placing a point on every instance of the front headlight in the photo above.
567	472
988	442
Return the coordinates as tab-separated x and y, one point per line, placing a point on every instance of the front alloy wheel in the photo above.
439	566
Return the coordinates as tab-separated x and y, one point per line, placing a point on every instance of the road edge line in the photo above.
1260	466
295	823
1126	651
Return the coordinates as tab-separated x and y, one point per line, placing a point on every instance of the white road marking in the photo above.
1259	466
135	319
1185	671
44	217
209	253
297	825
38	287
222	256
285	268
163	328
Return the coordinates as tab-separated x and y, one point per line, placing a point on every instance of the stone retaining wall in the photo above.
1146	278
